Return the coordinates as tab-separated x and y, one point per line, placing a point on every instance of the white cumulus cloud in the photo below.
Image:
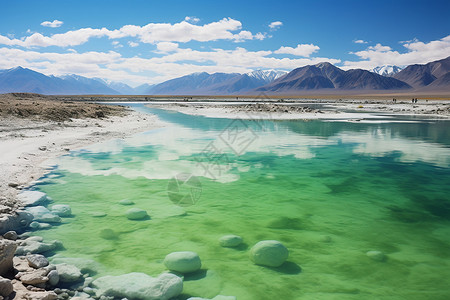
275	25
304	50
53	24
166	47
192	19
152	33
360	42
415	52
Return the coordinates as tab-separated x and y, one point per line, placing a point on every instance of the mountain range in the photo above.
386	70
319	78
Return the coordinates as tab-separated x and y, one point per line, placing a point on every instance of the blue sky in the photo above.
151	41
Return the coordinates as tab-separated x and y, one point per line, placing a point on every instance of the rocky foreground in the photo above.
25	273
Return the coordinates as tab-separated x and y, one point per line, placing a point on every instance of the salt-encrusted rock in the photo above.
85	265
53	277
218	297
34	246
98	214
10	235
136	214
6	287
42	214
68	273
376	255
38	225
230	240
139	286
126	202
183	262
62	210
15	221
269	253
7	249
32	198
35	277
37	261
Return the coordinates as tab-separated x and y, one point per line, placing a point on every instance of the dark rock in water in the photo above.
286	223
408	215
10	235
108	234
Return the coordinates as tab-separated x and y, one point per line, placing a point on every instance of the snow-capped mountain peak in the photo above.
386	70
266	75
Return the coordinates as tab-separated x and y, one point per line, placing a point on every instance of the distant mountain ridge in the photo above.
386	70
325	76
215	84
322	77
433	74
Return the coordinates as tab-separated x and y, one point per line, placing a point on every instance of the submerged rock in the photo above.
68	273
7	249
53	277
139	286
269	253
218	297
42	214
136	214
126	202
85	265
62	210
98	214
376	255
34	245
230	240
183	262
32	198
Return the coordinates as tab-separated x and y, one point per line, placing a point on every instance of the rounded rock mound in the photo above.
136	214
230	241
269	253
183	262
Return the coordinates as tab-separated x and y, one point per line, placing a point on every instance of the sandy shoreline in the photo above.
26	144
335	110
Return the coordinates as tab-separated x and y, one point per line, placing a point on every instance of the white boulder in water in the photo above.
139	286
183	261
126	202
68	273
269	253
136	214
32	198
230	240
218	297
376	255
62	210
42	214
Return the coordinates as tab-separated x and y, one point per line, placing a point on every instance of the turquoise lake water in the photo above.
329	191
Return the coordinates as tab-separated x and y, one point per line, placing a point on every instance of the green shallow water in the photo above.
329	191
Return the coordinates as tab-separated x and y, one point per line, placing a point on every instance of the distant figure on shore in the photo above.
394	100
